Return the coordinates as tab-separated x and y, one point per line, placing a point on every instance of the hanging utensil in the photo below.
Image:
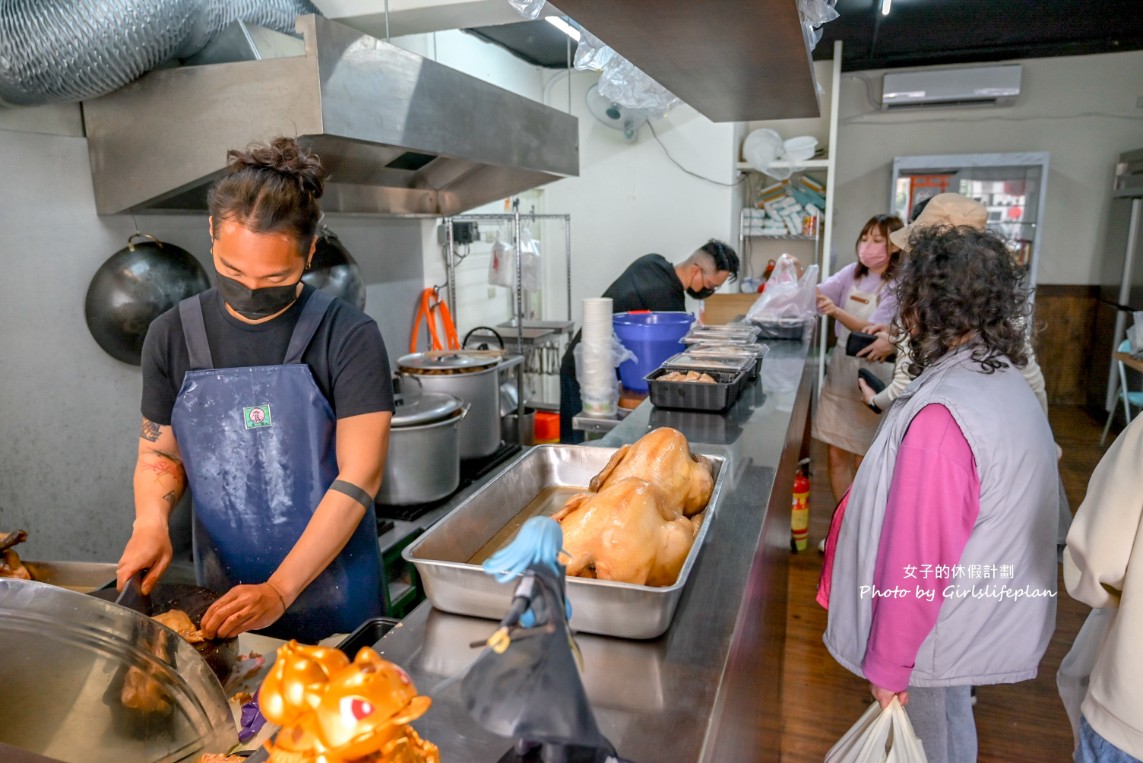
135	286
429	310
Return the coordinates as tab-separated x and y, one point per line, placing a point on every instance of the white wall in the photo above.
630	199
1082	109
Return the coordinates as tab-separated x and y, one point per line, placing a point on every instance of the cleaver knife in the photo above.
132	595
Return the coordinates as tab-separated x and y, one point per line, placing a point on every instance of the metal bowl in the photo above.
66	657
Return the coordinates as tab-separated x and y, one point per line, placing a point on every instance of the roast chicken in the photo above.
627	533
663	458
10	564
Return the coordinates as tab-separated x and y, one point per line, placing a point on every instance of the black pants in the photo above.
570	405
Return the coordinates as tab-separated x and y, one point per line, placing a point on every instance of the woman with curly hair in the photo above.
941	562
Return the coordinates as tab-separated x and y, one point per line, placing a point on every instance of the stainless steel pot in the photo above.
471	377
424	448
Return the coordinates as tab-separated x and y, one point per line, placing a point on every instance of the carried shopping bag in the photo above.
879	736
1075	670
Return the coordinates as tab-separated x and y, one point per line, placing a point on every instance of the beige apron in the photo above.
843	418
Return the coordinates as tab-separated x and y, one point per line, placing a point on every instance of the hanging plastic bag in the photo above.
500	264
629	86
529	9
592	53
879	736
787	296
531	271
1075	670
1135	333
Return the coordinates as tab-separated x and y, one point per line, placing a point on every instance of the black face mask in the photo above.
703	294
256	303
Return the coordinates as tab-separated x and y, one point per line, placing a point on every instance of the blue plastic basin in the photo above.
653	337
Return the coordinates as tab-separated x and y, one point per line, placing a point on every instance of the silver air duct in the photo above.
72	50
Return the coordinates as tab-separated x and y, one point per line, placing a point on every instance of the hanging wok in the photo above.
134	287
333	270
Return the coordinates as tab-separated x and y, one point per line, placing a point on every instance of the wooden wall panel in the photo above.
1064	323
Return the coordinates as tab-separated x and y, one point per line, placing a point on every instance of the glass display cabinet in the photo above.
1012	186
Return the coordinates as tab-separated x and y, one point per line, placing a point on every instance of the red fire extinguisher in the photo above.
800	512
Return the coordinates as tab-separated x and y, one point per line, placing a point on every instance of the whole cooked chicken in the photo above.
663	457
625	533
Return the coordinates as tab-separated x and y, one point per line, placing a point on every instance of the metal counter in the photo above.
709	689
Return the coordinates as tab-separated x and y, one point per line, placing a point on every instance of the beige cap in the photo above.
944	209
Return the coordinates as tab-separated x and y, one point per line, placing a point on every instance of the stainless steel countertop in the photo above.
710	688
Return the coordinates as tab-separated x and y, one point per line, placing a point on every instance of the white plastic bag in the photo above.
1135	334
531	274
879	736
786	295
529	9
1075	669
500	264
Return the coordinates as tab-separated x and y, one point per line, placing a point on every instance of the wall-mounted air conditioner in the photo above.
969	86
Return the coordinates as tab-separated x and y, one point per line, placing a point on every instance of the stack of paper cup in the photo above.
596	371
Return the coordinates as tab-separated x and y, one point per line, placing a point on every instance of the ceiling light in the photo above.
567	28
885	4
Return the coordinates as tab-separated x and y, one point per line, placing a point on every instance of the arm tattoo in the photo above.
162	467
149	430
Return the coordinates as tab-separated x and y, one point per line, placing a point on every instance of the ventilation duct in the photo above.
71	50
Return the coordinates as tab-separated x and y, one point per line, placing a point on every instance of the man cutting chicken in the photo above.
271	401
650	283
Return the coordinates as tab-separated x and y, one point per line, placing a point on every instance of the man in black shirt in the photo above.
650	283
271	402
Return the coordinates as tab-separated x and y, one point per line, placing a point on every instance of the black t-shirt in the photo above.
346	355
648	283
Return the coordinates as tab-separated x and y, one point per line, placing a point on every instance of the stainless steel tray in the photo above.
538	480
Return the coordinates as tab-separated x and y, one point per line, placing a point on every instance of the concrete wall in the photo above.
69	413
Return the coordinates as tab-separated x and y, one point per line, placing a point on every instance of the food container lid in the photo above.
735	330
689	361
452	361
728	348
417	408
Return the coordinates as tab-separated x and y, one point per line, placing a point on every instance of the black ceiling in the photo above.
918	32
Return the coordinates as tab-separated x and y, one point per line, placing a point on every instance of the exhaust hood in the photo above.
399	134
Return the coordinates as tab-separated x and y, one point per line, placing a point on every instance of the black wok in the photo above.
135	286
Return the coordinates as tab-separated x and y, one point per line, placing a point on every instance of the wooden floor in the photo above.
1016	723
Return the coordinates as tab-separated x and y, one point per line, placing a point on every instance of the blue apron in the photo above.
259	450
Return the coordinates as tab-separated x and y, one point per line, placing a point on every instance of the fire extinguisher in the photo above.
800	513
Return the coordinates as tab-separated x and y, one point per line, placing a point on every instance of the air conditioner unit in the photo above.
970	86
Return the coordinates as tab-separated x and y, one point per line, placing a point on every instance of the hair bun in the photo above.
284	156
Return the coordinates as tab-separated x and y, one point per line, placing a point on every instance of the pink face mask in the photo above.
873	256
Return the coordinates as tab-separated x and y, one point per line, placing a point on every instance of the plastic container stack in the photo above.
596	372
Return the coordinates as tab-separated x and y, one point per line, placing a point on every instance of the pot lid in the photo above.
423	408
452	362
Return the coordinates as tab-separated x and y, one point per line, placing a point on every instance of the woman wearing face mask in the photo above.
850	296
271	401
